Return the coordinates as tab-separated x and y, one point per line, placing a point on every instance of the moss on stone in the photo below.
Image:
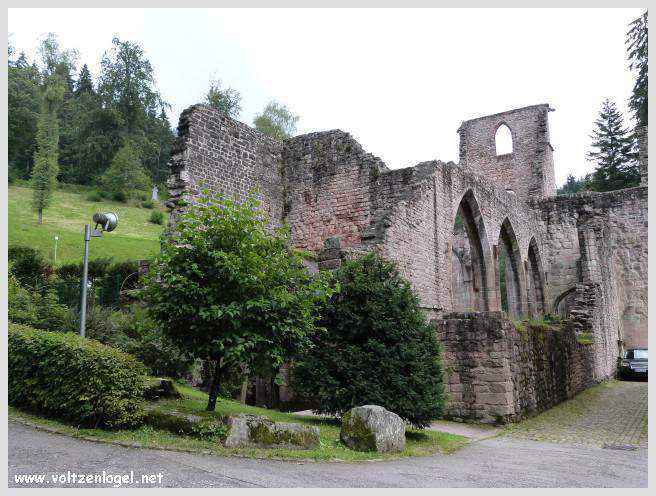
360	437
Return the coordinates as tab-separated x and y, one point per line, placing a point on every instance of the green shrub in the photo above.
95	196
36	308
377	348
148	204
119	196
28	265
156	217
73	378
142	196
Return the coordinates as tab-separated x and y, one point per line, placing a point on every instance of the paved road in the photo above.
498	462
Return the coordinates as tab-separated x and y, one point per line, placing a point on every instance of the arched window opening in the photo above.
468	271
564	303
535	286
503	140
509	285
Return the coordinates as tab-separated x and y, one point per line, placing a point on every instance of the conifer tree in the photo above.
84	83
612	151
44	174
636	40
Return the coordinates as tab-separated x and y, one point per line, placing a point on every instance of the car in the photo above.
634	363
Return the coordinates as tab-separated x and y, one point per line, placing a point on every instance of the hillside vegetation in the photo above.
135	237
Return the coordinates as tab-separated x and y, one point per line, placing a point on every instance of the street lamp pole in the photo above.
85	280
107	223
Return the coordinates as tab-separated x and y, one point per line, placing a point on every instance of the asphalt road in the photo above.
497	462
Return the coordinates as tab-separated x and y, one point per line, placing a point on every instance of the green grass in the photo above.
135	237
418	442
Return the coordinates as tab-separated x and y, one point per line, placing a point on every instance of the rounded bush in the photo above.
95	196
28	264
377	348
75	379
157	217
149	204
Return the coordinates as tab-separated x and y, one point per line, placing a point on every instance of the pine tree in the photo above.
636	39
44	174
84	83
613	152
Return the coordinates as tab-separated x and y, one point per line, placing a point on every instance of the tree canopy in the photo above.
277	121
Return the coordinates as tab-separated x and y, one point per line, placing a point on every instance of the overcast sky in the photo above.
401	81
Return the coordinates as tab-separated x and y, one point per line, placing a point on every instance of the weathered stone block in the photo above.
258	431
373	428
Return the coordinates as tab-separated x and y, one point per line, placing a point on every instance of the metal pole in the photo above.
56	239
85	277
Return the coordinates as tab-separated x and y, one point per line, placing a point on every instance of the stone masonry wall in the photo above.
496	373
227	157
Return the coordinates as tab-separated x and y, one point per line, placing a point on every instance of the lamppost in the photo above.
107	222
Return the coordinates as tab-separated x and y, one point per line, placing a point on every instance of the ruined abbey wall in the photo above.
583	256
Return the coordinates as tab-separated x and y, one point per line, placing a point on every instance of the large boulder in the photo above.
257	431
373	428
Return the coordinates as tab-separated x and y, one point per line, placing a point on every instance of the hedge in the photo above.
75	379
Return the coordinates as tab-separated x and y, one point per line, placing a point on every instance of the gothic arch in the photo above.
504	142
469	243
510	272
535	280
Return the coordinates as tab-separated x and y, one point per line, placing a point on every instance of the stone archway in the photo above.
510	272
469	257
535	280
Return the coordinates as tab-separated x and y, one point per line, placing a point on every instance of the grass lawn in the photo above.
418	442
135	237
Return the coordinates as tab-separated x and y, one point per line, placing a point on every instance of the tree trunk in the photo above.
40	216
244	385
214	385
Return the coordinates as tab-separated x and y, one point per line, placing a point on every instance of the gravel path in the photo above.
497	462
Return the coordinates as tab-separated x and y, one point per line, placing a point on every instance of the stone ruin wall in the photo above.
498	373
339	199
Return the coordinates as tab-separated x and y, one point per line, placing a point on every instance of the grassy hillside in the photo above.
135	237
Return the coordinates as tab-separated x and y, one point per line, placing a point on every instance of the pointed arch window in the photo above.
503	140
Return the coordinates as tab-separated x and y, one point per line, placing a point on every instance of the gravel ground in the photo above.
498	462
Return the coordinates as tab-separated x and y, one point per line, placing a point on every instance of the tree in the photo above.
377	348
573	185
44	174
637	49
276	121
229	291
226	100
613	152
127	83
23	99
125	175
84	82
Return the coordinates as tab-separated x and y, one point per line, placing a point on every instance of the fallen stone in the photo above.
373	428
258	431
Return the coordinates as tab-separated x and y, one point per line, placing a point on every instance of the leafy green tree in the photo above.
573	185
44	174
377	348
127	85
612	151
276	121
637	48
125	175
226	100
227	290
